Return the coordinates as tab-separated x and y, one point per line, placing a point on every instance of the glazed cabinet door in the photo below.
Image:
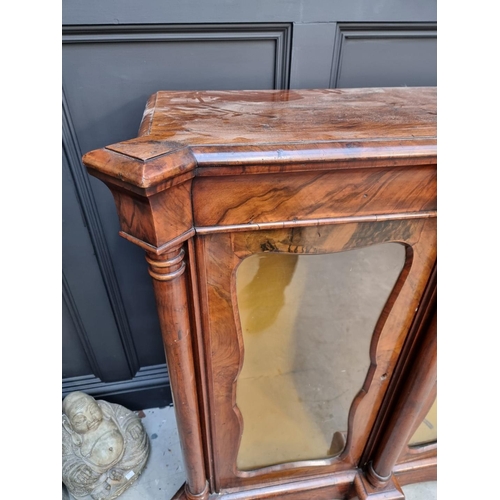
303	327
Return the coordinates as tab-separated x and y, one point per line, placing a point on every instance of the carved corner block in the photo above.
151	184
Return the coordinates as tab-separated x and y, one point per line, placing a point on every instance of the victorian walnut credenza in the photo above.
291	241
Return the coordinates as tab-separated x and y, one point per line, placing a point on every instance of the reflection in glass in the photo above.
427	431
307	323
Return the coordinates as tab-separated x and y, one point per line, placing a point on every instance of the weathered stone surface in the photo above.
104	447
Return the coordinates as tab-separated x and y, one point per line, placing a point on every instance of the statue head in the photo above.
82	411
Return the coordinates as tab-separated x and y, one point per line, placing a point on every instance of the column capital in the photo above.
150	180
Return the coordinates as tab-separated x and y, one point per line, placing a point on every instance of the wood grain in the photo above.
250	132
303	196
263	117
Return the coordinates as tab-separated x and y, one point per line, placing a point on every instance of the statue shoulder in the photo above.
121	415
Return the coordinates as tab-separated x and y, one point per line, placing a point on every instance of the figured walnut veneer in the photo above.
217	176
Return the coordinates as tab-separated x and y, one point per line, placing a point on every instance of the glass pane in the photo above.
307	323
427	431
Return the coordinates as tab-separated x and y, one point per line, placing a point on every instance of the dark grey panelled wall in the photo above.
118	52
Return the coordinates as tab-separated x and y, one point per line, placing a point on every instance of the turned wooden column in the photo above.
420	384
418	388
169	281
408	408
151	184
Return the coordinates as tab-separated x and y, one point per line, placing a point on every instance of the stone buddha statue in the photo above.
104	447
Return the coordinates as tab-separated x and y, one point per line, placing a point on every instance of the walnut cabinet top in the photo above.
265	131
